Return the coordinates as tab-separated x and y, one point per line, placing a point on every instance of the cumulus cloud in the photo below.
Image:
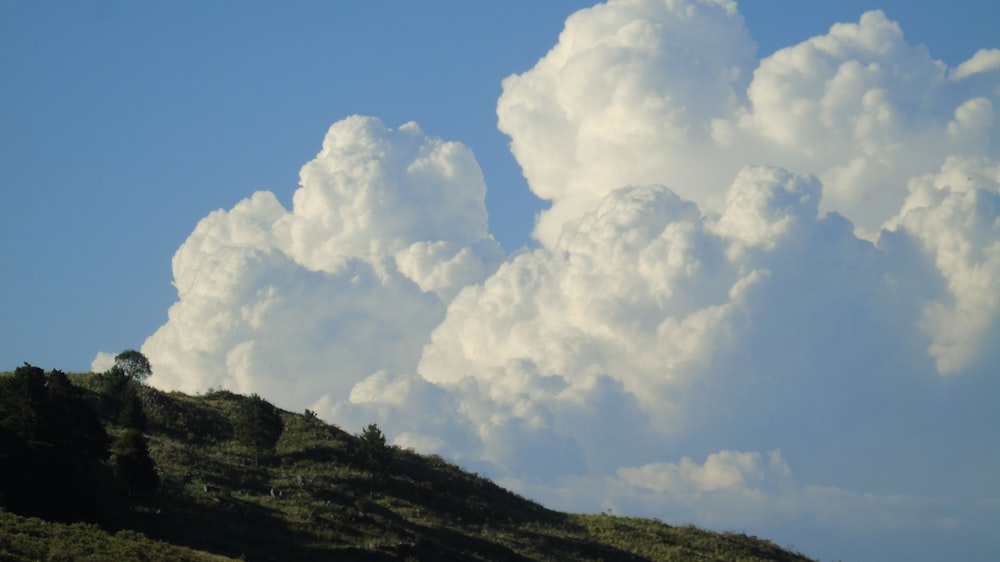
385	227
742	257
724	470
626	97
102	362
739	488
640	92
985	60
572	373
954	215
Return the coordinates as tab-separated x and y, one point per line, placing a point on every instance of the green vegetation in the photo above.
373	449
309	491
133	364
26	539
257	425
133	467
52	446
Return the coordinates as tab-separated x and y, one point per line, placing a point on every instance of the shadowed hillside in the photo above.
223	488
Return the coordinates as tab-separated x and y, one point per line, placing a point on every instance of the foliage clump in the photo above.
258	425
375	453
133	466
121	395
133	364
52	445
29	539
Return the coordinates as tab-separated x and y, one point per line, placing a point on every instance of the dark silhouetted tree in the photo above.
134	364
123	405
373	440
53	446
133	467
131	413
258	425
375	452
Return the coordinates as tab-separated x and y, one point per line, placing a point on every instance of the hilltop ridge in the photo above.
319	492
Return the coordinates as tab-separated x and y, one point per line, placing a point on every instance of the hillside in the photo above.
318	495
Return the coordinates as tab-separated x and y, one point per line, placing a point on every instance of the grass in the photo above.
31	539
313	498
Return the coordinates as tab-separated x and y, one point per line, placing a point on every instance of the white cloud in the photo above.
740	488
373	192
102	362
740	257
296	304
859	108
639	92
644	331
955	215
724	470
627	94
636	290
985	60
756	217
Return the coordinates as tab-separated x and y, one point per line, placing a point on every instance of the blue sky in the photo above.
124	125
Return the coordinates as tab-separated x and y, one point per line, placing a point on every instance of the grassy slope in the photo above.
424	509
29	538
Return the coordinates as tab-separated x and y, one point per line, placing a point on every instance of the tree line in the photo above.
58	460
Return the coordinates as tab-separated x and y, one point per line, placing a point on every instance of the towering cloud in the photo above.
954	216
767	292
386	227
643	92
628	96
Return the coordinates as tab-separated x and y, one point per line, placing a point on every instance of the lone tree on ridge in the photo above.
133	364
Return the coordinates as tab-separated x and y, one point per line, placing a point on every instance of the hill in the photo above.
319	493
